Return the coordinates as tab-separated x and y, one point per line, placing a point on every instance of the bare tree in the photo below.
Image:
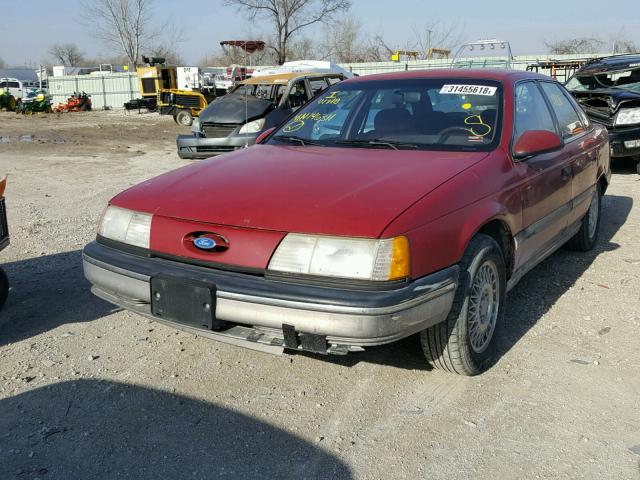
622	44
301	49
344	42
125	24
436	34
66	54
289	17
574	46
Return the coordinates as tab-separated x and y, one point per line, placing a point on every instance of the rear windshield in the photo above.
628	79
429	114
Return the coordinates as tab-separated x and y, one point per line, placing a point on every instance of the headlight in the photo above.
252	127
628	116
357	258
195	126
126	226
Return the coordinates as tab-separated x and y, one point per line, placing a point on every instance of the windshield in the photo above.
262	92
430	114
628	79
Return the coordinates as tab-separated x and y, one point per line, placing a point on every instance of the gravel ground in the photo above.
88	391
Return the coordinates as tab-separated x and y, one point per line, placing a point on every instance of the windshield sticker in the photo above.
298	121
331	99
478	127
293	126
468	89
466	106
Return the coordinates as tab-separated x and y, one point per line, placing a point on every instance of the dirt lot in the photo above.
91	392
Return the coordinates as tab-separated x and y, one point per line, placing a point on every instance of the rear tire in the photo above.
465	343
4	287
184	118
587	236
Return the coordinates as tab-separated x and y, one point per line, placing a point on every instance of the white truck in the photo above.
13	86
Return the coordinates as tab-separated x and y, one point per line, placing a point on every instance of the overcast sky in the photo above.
29	27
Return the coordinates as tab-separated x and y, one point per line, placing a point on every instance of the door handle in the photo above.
565	173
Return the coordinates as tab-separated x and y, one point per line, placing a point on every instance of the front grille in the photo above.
190	101
218	130
218	149
4	229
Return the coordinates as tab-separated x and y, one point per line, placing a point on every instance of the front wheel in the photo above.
184	118
465	343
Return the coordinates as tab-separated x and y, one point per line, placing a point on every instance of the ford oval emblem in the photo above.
204	243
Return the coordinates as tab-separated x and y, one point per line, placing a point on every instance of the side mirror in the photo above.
263	136
533	142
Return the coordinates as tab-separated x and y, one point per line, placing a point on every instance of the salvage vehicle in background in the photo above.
13	86
608	89
258	103
4	242
7	101
36	101
387	206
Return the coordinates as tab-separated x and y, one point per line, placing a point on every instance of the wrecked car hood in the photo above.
601	105
234	109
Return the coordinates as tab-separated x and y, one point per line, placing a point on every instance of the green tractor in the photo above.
36	102
7	101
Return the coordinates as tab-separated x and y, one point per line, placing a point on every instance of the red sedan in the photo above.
387	206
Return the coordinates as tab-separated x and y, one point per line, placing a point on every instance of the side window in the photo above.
568	119
532	112
14	85
297	95
317	85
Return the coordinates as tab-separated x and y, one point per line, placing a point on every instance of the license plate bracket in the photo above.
183	301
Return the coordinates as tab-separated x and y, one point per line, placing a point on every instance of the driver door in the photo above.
546	178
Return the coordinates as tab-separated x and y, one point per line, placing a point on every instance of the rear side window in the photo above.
568	119
317	85
14	85
532	112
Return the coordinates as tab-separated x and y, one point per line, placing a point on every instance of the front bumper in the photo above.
192	147
617	139
270	315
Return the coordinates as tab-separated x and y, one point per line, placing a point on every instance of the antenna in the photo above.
246	98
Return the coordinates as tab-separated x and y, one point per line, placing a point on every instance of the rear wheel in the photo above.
184	118
587	236
465	343
4	287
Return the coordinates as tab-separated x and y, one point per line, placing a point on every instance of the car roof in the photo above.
282	78
614	62
499	74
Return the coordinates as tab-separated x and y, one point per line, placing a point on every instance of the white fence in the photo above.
107	91
113	90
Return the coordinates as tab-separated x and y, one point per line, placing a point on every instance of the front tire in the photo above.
587	236
465	343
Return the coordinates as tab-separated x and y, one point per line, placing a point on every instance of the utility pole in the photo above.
429	44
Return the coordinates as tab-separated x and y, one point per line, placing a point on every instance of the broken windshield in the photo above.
628	79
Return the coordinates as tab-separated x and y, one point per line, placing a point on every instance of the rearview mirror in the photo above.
534	142
263	136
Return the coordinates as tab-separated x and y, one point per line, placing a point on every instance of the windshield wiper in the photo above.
378	143
294	139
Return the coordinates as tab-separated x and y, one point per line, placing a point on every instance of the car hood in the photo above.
602	104
233	109
332	191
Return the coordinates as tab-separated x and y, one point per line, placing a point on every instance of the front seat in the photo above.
391	120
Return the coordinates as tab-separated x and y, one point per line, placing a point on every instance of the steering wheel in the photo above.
447	132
